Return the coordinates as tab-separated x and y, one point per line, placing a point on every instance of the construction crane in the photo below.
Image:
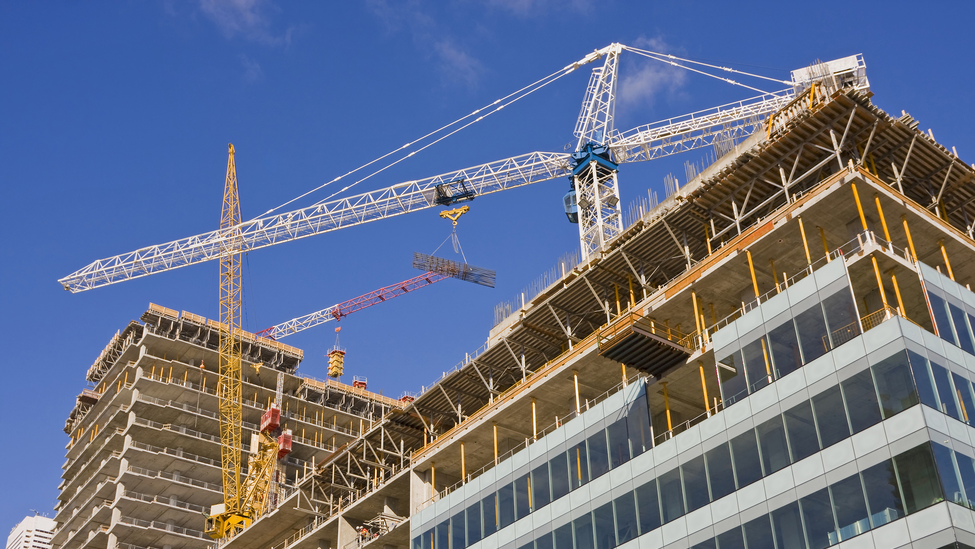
594	199
230	517
345	308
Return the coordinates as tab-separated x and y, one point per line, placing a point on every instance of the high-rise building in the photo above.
32	533
778	355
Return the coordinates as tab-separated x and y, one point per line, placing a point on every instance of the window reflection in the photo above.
758	366
813	338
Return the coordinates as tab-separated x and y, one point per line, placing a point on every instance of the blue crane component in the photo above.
591	152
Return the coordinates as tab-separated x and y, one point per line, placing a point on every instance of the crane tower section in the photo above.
594	180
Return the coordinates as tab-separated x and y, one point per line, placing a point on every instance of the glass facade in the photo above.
801	334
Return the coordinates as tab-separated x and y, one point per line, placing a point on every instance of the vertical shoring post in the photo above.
534	421
805	244
856	198
775	277
670	426
880	281
944	254
704	387
910	241
880	212
897	292
707	240
433	480
822	236
751	269
463	464
697	322
575	383
494	428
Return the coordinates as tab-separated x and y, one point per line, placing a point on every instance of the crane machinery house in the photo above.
779	354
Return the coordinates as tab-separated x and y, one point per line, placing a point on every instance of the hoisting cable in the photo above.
533	87
672	60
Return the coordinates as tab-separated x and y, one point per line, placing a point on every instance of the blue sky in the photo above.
116	116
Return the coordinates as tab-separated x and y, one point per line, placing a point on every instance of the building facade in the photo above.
32	533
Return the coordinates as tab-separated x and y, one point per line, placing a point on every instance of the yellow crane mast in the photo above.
229	519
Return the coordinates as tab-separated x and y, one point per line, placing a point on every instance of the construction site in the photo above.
778	354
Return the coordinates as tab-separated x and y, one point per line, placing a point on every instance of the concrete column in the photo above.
347	533
391	507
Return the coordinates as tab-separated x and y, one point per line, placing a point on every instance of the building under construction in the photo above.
778	355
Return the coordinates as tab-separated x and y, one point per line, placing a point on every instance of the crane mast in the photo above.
231	518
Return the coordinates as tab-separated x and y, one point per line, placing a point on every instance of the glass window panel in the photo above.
757	364
811	328
523	503
841	317
883	495
861	401
619	445
457	530
785	349
850	508
443	535
529	545
918	478
626	522
922	380
758	533
695	484
671	498
648	508
963	390
830	416
544	541
428	538
787	527
950	485
946	393
474	523
582	527
732	539
489	512
598	455
940	310
579	465
418	542
721	475
771	439
962	332
894	383
541	496
966	469
604	526
706	544
731	374
801	429
638	427
817	514
563	536
506	505
748	464
559	467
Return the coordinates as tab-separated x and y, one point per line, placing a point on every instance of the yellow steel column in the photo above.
910	241
623	366
697	322
856	198
805	244
944	254
768	363
575	383
463	464
670	426
775	277
617	290
495	429
534	421
880	282
632	296
707	240
897	292
704	387
751	269
822	235
880	212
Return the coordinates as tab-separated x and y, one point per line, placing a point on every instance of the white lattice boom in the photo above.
642	143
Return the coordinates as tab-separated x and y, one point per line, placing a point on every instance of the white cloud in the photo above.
252	69
458	65
644	85
250	19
